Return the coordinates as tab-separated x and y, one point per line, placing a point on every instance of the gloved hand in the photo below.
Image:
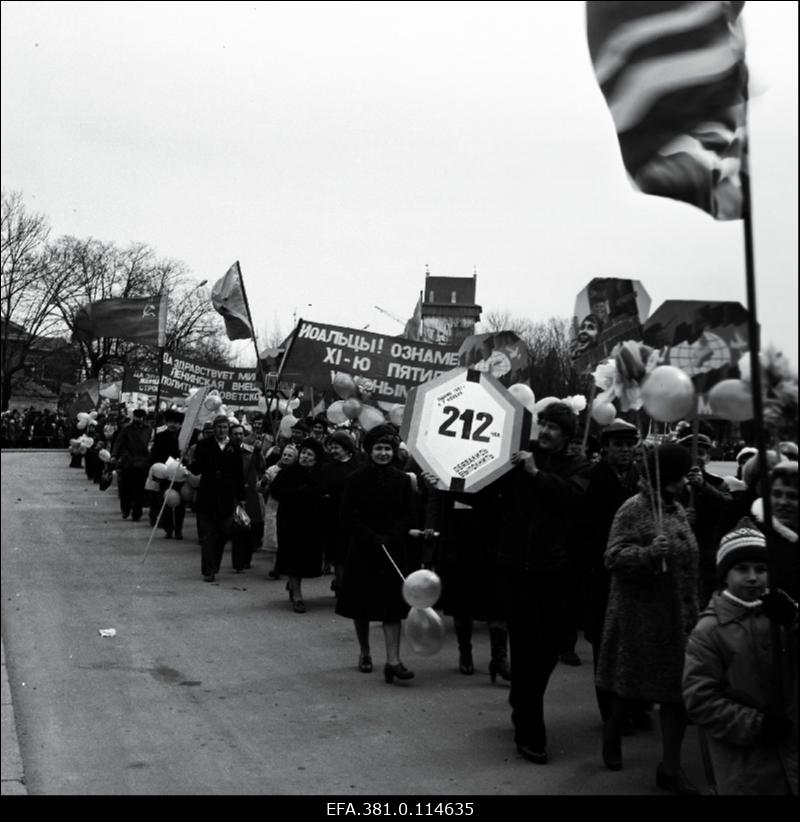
779	607
775	727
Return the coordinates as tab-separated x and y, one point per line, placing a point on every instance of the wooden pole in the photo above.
259	366
754	333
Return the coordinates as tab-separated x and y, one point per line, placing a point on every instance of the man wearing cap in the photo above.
613	480
132	455
221	489
705	498
536	501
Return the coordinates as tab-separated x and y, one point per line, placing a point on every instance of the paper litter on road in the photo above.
107	631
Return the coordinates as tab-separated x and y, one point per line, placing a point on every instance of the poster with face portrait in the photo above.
608	311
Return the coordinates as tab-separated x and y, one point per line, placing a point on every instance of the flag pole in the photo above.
754	333
259	366
284	358
158	388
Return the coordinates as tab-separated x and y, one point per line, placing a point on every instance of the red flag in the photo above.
228	299
675	79
141	320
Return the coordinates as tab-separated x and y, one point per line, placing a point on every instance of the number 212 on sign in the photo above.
467	417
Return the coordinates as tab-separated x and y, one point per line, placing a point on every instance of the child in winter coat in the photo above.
730	681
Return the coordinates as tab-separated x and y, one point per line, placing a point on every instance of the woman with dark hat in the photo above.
298	491
652	557
376	515
341	463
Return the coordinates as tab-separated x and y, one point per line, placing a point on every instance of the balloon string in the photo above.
660	507
402	575
653	508
158	518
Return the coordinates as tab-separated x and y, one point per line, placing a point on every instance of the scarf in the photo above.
757	510
749	605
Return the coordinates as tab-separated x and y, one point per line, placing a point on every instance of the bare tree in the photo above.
548	343
101	270
28	298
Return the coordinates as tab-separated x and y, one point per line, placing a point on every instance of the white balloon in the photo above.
104	455
172	499
159	470
422	588
524	394
424	631
668	394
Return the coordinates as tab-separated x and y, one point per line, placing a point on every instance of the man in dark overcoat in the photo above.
536	502
132	458
219	463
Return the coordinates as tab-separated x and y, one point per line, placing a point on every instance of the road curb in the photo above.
12	775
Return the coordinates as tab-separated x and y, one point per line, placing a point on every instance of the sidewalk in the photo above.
12	778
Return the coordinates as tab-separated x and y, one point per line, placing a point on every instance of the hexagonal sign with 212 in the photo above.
463	427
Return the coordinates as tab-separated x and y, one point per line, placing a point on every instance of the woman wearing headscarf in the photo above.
298	491
376	513
783	555
652	557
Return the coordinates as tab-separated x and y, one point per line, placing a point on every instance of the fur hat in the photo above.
745	454
380	433
312	445
750	472
702	441
343	439
674	462
139	412
743	543
173	415
562	415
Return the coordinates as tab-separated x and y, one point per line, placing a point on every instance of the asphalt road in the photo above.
221	689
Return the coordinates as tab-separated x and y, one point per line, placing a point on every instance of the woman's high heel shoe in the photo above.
465	664
399	671
365	663
501	668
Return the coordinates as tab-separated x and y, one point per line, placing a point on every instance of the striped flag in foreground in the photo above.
675	79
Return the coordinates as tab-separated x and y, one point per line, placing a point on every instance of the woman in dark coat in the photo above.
652	609
341	463
298	491
466	561
377	511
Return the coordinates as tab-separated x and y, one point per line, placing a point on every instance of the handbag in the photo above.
106	478
241	520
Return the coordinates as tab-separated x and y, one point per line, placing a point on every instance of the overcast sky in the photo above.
336	149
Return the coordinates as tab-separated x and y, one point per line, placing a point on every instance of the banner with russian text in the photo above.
239	388
392	365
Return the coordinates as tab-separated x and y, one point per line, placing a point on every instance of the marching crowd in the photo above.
688	600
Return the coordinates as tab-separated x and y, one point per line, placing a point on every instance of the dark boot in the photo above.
464	636
498	638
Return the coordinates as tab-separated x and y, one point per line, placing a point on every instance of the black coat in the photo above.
221	478
606	492
334	477
300	521
377	510
466	555
536	515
